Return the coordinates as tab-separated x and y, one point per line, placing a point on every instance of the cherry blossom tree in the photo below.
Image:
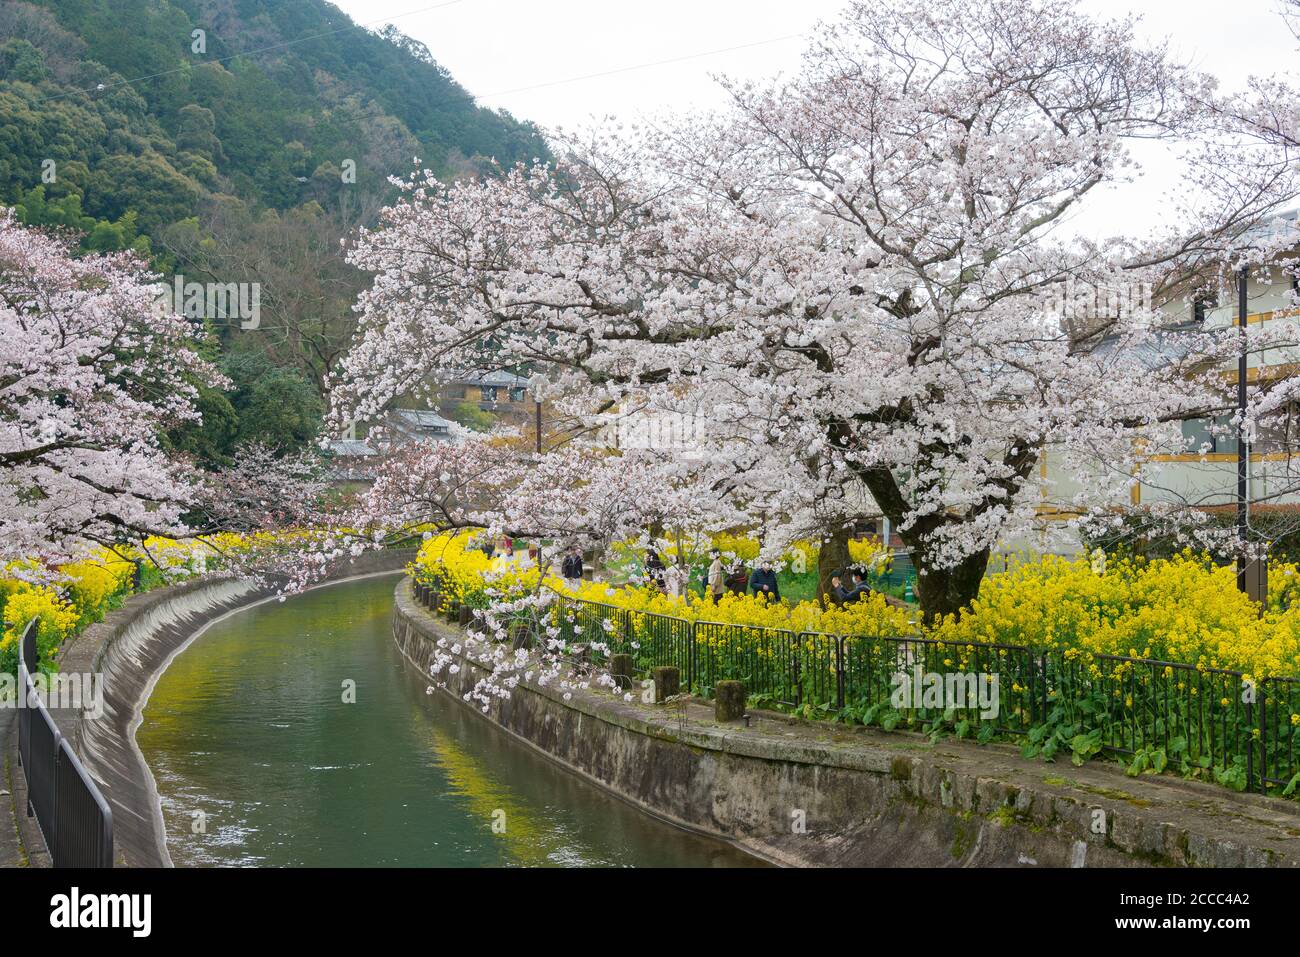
261	490
860	275
91	371
574	493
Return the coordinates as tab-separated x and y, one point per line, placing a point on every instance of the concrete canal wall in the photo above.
809	794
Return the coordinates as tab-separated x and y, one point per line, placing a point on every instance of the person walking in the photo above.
763	582
715	586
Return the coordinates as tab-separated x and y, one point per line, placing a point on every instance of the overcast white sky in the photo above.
516	54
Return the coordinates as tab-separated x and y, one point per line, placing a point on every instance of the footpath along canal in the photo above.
262	760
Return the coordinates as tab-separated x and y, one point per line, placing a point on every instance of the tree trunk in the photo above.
831	560
946	591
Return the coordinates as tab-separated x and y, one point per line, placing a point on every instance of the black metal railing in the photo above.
1198	720
69	808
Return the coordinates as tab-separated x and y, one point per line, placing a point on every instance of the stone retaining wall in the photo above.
810	794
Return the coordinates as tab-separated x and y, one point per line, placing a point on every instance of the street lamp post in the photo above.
1242	455
1252	573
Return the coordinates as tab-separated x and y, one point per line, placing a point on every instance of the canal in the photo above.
262	760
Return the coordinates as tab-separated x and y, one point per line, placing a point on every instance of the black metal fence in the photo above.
1157	714
69	808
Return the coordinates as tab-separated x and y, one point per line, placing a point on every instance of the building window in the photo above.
517	394
1208	435
487	393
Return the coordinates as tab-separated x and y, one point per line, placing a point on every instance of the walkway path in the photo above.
16	831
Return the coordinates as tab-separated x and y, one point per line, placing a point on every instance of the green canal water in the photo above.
261	762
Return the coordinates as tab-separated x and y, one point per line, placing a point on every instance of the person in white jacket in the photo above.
675	579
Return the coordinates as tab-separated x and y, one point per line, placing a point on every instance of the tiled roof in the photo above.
423	419
506	380
352	448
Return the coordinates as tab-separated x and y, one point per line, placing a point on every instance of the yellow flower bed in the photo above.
464	573
870	553
872	616
1180	610
76	595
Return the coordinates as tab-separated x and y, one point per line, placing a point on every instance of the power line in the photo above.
100	88
642	66
470	98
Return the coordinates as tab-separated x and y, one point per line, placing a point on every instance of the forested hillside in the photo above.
241	153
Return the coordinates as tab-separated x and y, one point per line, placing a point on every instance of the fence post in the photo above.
729	701
620	669
1250	747
839	671
1042	666
1263	738
798	678
666	682
690	659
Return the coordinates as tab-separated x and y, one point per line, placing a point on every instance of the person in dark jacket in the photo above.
763	582
851	592
654	566
571	567
738	580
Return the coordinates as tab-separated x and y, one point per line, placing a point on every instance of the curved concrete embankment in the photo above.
130	648
805	794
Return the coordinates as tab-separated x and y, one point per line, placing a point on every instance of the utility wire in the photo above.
643	66
470	98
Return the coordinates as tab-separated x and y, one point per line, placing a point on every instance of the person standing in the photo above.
654	566
861	589
713	589
571	567
738	580
763	582
674	579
